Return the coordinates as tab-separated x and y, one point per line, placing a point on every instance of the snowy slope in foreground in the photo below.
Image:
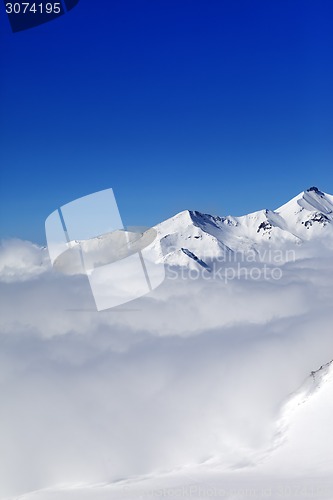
305	428
303	439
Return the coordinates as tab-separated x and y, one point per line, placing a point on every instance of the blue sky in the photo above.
220	106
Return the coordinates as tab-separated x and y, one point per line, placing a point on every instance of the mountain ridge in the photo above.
307	217
300	228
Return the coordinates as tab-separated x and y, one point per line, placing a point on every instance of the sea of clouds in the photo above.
198	370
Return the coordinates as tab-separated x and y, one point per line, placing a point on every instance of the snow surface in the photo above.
301	466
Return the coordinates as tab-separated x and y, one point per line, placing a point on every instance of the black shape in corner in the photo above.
70	4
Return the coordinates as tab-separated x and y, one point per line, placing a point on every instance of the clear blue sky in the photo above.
223	106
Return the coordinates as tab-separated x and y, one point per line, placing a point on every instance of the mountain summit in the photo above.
191	238
300	228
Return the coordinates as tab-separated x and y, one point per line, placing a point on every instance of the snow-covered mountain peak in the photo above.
308	214
312	200
192	237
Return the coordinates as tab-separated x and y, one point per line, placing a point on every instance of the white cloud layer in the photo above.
196	371
21	260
